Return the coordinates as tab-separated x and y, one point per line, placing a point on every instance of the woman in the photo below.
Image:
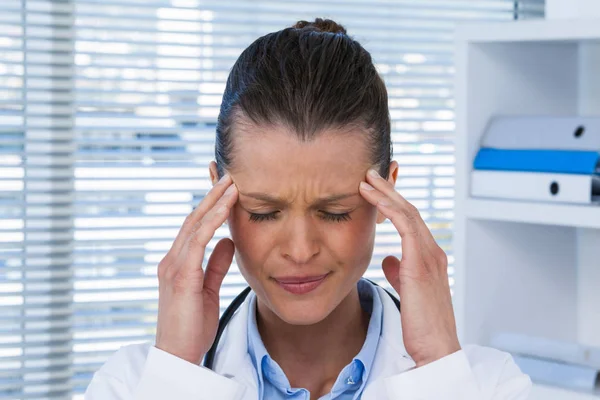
304	118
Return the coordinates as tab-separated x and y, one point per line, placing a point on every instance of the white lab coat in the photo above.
143	372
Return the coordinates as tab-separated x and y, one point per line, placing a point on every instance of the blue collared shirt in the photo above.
349	385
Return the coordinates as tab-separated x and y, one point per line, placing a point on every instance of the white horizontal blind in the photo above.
107	117
36	194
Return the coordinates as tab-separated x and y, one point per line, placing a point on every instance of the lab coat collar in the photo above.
232	359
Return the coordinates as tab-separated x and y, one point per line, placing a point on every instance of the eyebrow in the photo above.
275	200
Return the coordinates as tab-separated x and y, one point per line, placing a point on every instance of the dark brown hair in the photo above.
308	78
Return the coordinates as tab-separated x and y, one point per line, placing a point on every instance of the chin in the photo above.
301	314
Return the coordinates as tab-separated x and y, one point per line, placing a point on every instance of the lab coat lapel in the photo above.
397	360
391	357
232	359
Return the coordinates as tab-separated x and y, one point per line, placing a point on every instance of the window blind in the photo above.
107	118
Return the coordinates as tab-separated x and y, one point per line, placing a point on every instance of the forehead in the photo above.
275	152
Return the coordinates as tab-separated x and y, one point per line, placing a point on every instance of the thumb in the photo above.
217	266
391	270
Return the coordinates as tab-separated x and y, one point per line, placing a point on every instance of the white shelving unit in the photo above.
548	392
526	267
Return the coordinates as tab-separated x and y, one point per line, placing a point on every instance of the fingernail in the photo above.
229	190
384	203
374	173
366	186
224	178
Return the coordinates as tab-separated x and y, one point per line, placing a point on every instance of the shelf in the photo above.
529	31
543	392
579	216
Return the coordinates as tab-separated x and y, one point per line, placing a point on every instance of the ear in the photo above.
214	174
392	176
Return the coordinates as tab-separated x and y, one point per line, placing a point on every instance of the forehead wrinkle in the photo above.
281	202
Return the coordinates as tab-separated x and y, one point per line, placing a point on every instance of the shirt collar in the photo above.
352	377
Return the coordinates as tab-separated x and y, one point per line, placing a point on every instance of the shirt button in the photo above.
350	381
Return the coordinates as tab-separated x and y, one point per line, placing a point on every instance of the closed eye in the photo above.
263	217
324	216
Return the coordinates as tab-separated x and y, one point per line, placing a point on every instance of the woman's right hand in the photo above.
188	301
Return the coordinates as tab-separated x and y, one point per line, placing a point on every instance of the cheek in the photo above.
353	241
252	241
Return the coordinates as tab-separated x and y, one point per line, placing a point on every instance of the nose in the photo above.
300	242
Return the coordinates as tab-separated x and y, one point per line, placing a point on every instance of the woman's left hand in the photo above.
420	277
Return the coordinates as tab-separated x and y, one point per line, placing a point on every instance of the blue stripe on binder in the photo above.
559	161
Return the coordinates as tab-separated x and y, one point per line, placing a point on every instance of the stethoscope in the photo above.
235	304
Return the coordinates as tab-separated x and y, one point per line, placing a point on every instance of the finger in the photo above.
391	270
217	267
404	223
385	187
408	221
215	193
388	190
418	244
395	199
216	216
207	226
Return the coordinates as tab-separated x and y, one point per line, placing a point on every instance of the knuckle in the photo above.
206	218
440	256
195	228
179	283
161	274
167	259
413	227
197	238
187	225
161	270
189	220
412	211
165	269
167	272
413	231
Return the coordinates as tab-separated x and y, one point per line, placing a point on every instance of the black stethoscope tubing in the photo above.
235	304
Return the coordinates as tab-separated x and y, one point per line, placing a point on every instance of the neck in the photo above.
312	356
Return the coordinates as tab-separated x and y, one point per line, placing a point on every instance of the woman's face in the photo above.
282	228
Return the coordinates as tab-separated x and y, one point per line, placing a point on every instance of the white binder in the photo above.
543	133
571	376
542	347
562	188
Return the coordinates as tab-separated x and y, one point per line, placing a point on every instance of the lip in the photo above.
301	284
